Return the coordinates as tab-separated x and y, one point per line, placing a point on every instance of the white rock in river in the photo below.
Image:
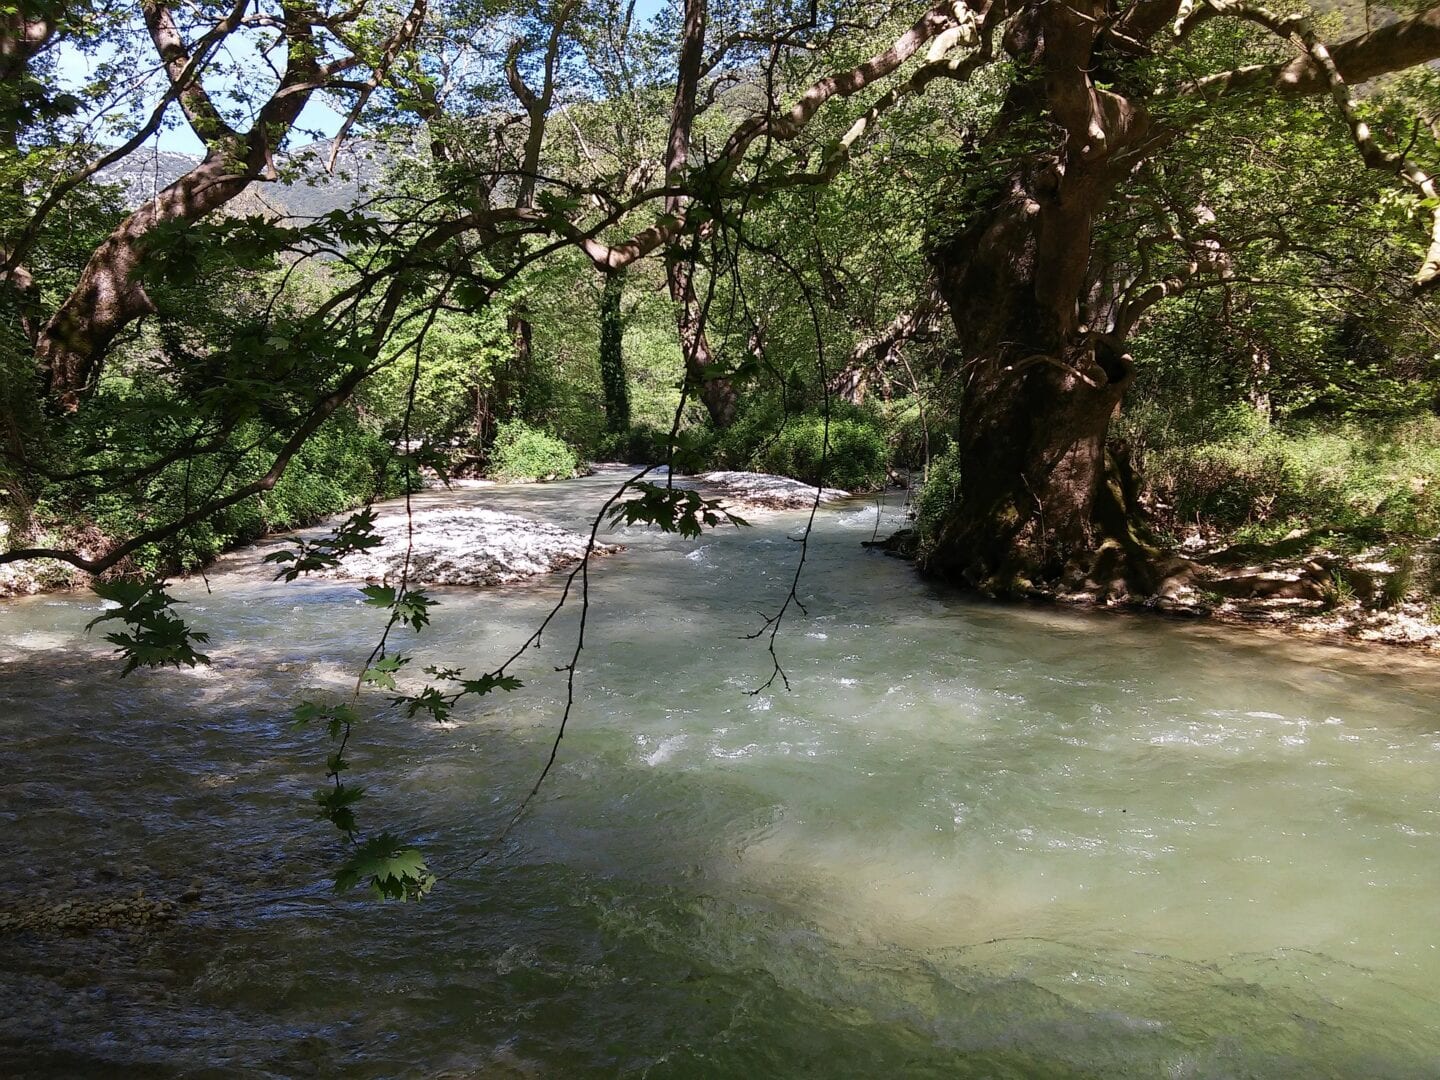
770	492
468	547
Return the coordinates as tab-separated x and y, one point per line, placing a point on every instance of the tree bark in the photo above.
1039	386
1035	412
701	364
109	296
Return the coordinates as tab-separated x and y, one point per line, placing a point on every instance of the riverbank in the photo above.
1371	597
1364	599
33	576
1409	627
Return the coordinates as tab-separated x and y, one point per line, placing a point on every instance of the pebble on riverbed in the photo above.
81	916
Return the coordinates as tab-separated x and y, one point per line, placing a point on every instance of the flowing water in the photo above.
969	841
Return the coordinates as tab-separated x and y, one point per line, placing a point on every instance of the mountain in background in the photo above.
307	190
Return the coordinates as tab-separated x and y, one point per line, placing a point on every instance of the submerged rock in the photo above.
467	547
902	544
769	492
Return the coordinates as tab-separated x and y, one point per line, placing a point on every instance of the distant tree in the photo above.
612	352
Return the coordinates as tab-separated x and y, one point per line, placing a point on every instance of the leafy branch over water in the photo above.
391	868
157	637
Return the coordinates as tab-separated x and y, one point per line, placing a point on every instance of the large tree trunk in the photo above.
1044	502
1040	505
1035	410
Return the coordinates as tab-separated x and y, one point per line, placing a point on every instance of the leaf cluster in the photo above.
677	510
355	533
157	637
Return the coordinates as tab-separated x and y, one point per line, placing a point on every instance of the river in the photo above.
971	840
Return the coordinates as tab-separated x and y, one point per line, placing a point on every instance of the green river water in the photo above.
971	841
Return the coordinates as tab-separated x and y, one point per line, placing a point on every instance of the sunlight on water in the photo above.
970	840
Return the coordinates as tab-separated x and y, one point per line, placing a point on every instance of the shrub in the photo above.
857	458
937	497
914	436
1222	484
342	465
1396	587
638	445
1366	480
858	453
522	453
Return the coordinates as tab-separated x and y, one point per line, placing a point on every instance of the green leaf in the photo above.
678	510
378	596
382	672
429	700
156	636
356	533
486	683
392	870
336	805
413	609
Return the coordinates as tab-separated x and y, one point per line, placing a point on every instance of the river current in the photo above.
970	840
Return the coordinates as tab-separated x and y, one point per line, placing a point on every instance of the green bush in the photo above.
858	454
1225	485
1371	481
521	453
341	466
937	497
914	436
857	457
637	445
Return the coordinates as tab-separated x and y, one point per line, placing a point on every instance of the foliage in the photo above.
523	453
343	464
355	533
391	869
851	452
677	510
1370	481
462	360
640	444
409	607
937	497
440	703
